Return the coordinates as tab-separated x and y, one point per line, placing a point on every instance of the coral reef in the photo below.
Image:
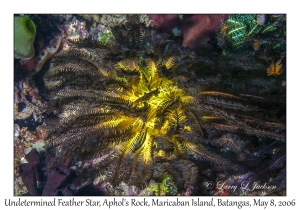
113	20
165	187
147	108
28	114
29	106
27	101
135	113
48	52
75	30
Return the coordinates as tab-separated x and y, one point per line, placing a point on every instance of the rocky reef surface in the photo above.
151	105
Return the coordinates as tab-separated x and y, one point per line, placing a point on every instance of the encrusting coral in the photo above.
140	110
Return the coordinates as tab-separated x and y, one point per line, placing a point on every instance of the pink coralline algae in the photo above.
196	29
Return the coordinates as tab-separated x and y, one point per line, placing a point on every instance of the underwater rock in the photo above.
31	172
33	176
197	30
48	52
65	192
28	176
57	176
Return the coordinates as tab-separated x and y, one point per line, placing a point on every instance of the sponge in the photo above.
24	34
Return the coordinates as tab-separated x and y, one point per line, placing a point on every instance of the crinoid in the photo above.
243	31
141	112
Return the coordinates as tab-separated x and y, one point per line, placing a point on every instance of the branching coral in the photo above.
142	110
